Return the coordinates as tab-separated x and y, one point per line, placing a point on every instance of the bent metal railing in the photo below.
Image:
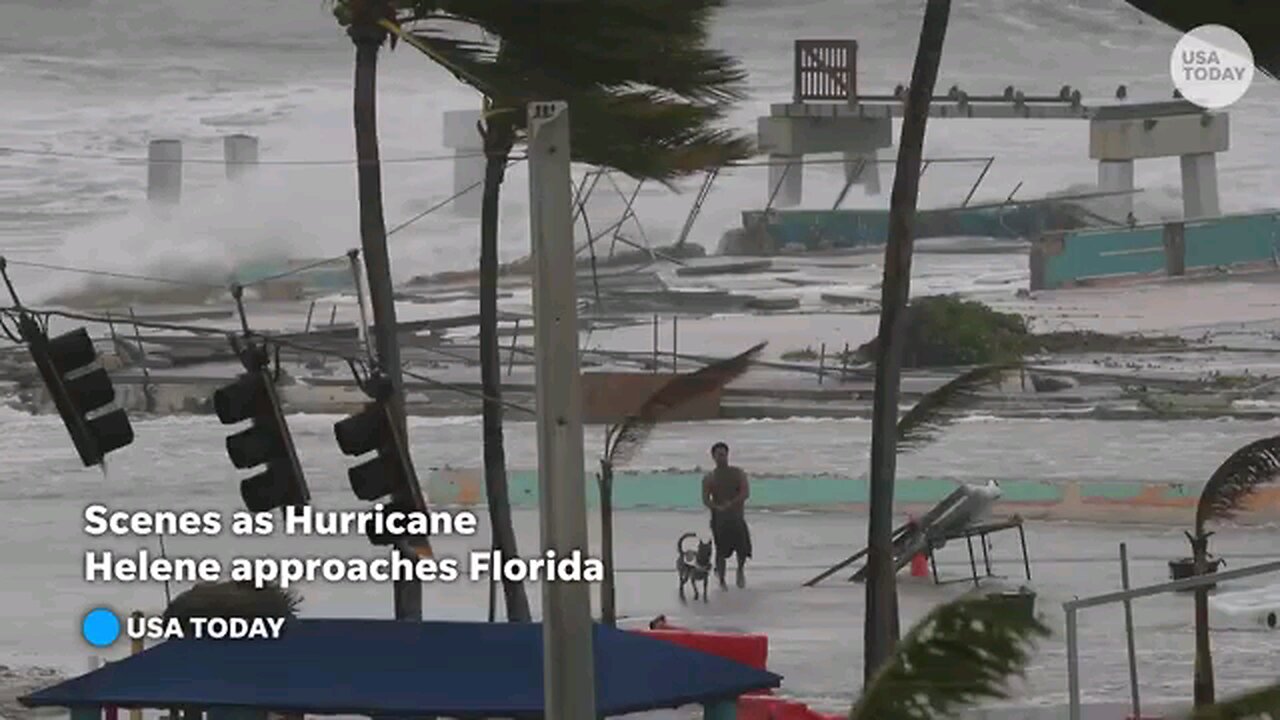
826	70
1072	606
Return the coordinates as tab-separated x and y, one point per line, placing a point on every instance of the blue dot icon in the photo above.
101	627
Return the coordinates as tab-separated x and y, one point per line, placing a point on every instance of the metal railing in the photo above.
826	70
1072	606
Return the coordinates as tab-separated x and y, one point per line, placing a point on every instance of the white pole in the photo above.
568	659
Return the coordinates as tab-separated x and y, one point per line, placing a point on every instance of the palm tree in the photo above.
881	624
1258	23
644	94
1226	492
965	651
624	439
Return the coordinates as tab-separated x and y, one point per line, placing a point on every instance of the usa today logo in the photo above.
1212	66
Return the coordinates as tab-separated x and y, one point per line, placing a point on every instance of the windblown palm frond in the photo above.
1231	485
645	132
923	421
616	42
1257	22
1253	705
960	653
234	599
628	435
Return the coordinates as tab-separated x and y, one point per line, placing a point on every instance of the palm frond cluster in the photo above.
624	439
234	599
646	93
967	650
1237	479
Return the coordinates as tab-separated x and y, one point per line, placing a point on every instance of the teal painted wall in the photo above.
1105	253
1225	241
680	490
1232	240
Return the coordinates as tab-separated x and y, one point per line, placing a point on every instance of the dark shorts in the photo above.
731	535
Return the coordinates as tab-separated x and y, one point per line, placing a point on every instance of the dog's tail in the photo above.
680	542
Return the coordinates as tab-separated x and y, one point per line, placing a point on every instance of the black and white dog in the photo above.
693	566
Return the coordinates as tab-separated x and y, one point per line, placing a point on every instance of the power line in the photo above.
175	281
84	317
212	161
5	150
445	202
108	273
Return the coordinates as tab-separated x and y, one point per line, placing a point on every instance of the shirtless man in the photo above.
725	491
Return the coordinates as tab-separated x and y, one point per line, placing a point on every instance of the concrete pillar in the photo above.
1116	176
164	172
862	169
239	154
1200	185
463	137
787	171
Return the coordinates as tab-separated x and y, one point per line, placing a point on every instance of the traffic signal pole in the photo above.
81	389
568	659
373	240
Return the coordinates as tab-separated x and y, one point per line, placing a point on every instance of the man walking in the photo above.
725	491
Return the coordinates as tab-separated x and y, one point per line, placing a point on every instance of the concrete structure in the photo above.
1089	257
463	137
827	115
164	172
825	70
240	154
1118	135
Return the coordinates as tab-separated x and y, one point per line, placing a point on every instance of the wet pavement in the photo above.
815	634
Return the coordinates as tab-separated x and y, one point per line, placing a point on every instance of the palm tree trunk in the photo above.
608	590
368	38
881	625
498	140
1203	690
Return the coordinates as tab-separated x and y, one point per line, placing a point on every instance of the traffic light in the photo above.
390	473
81	390
265	442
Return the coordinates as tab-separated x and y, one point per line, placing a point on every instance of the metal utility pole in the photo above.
568	659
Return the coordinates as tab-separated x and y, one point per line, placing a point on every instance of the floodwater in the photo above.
814	633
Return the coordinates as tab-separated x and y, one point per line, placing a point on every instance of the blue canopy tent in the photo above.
386	667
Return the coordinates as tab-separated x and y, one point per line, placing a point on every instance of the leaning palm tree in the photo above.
1227	492
624	439
362	20
1257	22
881	624
645	112
967	650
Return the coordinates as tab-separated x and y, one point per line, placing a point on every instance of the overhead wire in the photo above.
176	281
5	150
446	201
270	338
109	273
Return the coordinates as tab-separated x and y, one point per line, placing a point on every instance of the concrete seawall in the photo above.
1119	502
